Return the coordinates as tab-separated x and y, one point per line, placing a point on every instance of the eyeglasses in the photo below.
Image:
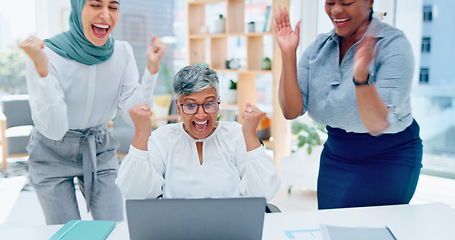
209	107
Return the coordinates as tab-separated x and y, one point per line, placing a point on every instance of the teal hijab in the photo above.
74	45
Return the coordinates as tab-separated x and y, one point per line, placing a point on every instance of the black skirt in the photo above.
358	169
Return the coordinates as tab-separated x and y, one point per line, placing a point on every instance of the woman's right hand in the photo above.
142	119
155	53
33	47
287	39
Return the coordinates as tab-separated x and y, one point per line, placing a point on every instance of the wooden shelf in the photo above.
224	35
247	75
224	70
202	2
228	105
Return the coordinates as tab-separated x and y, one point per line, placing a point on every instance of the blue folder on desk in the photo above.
77	229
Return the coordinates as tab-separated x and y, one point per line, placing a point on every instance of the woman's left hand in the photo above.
363	57
155	53
251	118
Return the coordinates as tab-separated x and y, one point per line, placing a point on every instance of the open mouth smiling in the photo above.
201	126
100	30
341	22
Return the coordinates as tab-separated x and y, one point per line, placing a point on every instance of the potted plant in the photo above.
301	167
220	24
231	93
266	64
308	134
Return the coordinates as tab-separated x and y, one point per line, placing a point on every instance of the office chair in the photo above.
16	125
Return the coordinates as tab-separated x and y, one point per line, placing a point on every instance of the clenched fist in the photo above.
33	47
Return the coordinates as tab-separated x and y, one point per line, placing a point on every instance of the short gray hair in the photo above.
191	79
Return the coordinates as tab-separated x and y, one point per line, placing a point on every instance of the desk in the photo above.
407	222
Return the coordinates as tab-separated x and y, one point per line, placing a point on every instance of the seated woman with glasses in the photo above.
201	156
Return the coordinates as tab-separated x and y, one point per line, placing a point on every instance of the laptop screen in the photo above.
206	218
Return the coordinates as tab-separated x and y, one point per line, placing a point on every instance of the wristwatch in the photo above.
369	81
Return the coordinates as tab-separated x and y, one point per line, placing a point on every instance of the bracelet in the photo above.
368	82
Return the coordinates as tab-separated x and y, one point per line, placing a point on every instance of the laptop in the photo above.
202	218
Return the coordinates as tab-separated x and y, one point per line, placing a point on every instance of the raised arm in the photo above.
141	172
132	93
372	110
257	171
289	94
46	95
142	119
251	117
155	53
33	47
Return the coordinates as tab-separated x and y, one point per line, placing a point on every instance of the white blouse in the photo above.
78	96
171	166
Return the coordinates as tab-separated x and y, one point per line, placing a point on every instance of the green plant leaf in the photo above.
306	128
313	138
233	85
309	150
12	69
302	141
308	134
297	129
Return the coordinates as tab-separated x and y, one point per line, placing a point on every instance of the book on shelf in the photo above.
78	229
268	19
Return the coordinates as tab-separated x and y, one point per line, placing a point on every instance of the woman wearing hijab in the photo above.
77	81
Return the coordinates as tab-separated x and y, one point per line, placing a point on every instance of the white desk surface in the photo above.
407	222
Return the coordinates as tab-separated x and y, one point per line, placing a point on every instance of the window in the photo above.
17	22
139	20
426	44
433	99
427	13
424	75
